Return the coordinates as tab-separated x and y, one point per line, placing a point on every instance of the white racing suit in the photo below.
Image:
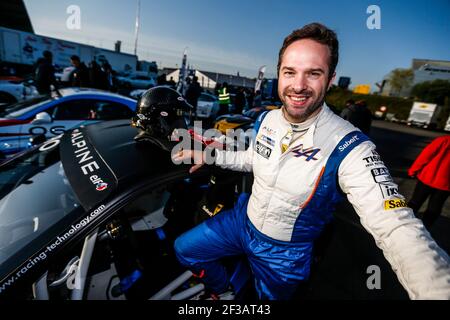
293	197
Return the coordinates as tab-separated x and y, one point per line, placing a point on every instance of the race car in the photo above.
12	91
207	106
51	115
93	213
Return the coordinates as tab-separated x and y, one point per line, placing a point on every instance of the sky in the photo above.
231	36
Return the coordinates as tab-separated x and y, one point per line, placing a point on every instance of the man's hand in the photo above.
197	155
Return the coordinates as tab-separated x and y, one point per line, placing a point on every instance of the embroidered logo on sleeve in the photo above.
394	204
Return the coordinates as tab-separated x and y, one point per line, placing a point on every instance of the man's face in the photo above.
303	79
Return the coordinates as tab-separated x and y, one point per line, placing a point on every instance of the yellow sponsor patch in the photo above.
224	125
394	204
218	209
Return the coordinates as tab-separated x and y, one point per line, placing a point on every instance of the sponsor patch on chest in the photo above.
266	139
263	150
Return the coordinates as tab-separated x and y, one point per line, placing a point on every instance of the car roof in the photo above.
123	161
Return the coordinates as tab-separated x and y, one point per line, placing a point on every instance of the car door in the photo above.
70	114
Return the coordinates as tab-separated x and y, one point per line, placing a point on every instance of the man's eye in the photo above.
314	74
288	73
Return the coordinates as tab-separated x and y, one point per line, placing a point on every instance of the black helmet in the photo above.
160	110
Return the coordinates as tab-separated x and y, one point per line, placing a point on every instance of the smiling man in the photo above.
305	159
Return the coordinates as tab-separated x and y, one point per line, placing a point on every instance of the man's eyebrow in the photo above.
287	68
316	70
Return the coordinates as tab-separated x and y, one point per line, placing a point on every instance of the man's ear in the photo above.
330	83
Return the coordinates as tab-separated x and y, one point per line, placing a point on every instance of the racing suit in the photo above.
293	197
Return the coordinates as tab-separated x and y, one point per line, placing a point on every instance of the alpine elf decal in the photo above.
90	177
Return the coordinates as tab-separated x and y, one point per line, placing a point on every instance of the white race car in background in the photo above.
207	106
13	91
136	81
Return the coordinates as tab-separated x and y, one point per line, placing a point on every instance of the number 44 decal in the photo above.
307	153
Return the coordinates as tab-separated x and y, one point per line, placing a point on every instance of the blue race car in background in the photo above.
51	115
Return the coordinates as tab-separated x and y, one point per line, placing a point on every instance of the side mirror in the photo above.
42	118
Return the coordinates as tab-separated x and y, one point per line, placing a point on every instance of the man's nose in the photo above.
300	83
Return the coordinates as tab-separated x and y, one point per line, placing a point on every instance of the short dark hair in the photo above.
319	33
75	58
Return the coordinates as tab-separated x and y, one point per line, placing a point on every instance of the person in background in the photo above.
240	101
172	83
359	115
432	170
250	96
97	77
45	73
109	75
193	93
80	76
224	99
258	99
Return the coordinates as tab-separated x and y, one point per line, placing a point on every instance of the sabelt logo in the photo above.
394	204
348	143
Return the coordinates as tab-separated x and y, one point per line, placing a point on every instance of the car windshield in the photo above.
34	196
18	109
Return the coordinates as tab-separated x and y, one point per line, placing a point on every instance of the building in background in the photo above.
429	70
208	80
424	70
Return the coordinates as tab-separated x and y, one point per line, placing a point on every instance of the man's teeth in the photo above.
298	98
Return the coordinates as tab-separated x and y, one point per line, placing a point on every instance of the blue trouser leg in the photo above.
277	266
201	247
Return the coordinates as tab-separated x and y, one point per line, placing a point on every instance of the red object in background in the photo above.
11	78
432	166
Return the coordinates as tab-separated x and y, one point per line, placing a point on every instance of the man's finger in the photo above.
195	167
180	155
